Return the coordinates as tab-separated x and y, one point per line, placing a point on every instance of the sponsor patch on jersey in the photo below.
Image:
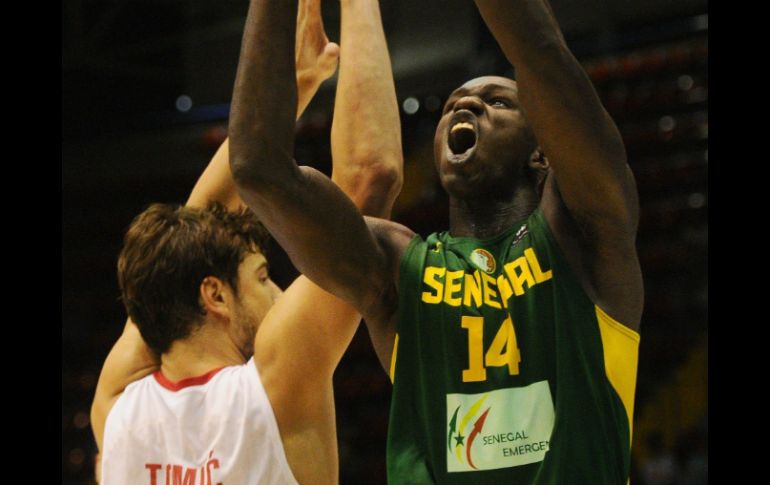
483	260
499	429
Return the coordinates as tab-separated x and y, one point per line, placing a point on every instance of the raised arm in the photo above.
591	200
368	167
366	131
316	61
577	135
319	227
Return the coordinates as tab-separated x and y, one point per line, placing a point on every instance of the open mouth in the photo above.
462	137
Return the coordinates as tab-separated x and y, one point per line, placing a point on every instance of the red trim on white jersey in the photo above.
219	429
187	382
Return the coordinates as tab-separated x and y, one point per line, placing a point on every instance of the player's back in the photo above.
215	428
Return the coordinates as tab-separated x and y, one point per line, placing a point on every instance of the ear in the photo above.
215	297
538	162
539	167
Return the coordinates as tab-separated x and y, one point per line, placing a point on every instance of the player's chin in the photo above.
462	185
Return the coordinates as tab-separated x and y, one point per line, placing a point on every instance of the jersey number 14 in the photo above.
503	351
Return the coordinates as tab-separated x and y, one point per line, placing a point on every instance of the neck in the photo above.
206	349
485	218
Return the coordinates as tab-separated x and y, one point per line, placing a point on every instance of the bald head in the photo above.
487	80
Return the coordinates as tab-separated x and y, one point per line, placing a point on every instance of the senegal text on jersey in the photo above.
457	288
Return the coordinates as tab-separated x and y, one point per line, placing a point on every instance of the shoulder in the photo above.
393	239
236	380
135	393
391	235
124	407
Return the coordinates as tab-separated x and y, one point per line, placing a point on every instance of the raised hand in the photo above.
316	57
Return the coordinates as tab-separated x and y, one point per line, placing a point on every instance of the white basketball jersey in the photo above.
216	429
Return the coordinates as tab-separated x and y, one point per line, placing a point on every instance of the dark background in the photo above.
128	140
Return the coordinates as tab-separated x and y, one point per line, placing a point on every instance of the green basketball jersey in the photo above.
504	371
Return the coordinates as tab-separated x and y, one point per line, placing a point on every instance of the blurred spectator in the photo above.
660	466
692	457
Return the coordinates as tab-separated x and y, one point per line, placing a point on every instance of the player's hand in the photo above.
316	57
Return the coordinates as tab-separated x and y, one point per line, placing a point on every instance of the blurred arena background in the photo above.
146	89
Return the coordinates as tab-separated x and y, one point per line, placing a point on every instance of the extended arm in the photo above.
591	200
368	167
577	135
319	227
366	131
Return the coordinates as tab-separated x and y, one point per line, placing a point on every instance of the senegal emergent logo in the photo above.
456	439
484	260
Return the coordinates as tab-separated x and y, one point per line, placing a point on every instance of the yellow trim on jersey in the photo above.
621	359
393	360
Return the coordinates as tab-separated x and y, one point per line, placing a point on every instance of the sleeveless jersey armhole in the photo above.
406	258
620	343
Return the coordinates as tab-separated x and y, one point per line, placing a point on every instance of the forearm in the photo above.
552	82
262	113
532	41
571	125
366	132
216	182
319	227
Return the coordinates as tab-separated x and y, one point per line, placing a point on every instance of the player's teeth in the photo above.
462	126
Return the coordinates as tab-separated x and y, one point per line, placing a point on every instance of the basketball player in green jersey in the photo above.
512	338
